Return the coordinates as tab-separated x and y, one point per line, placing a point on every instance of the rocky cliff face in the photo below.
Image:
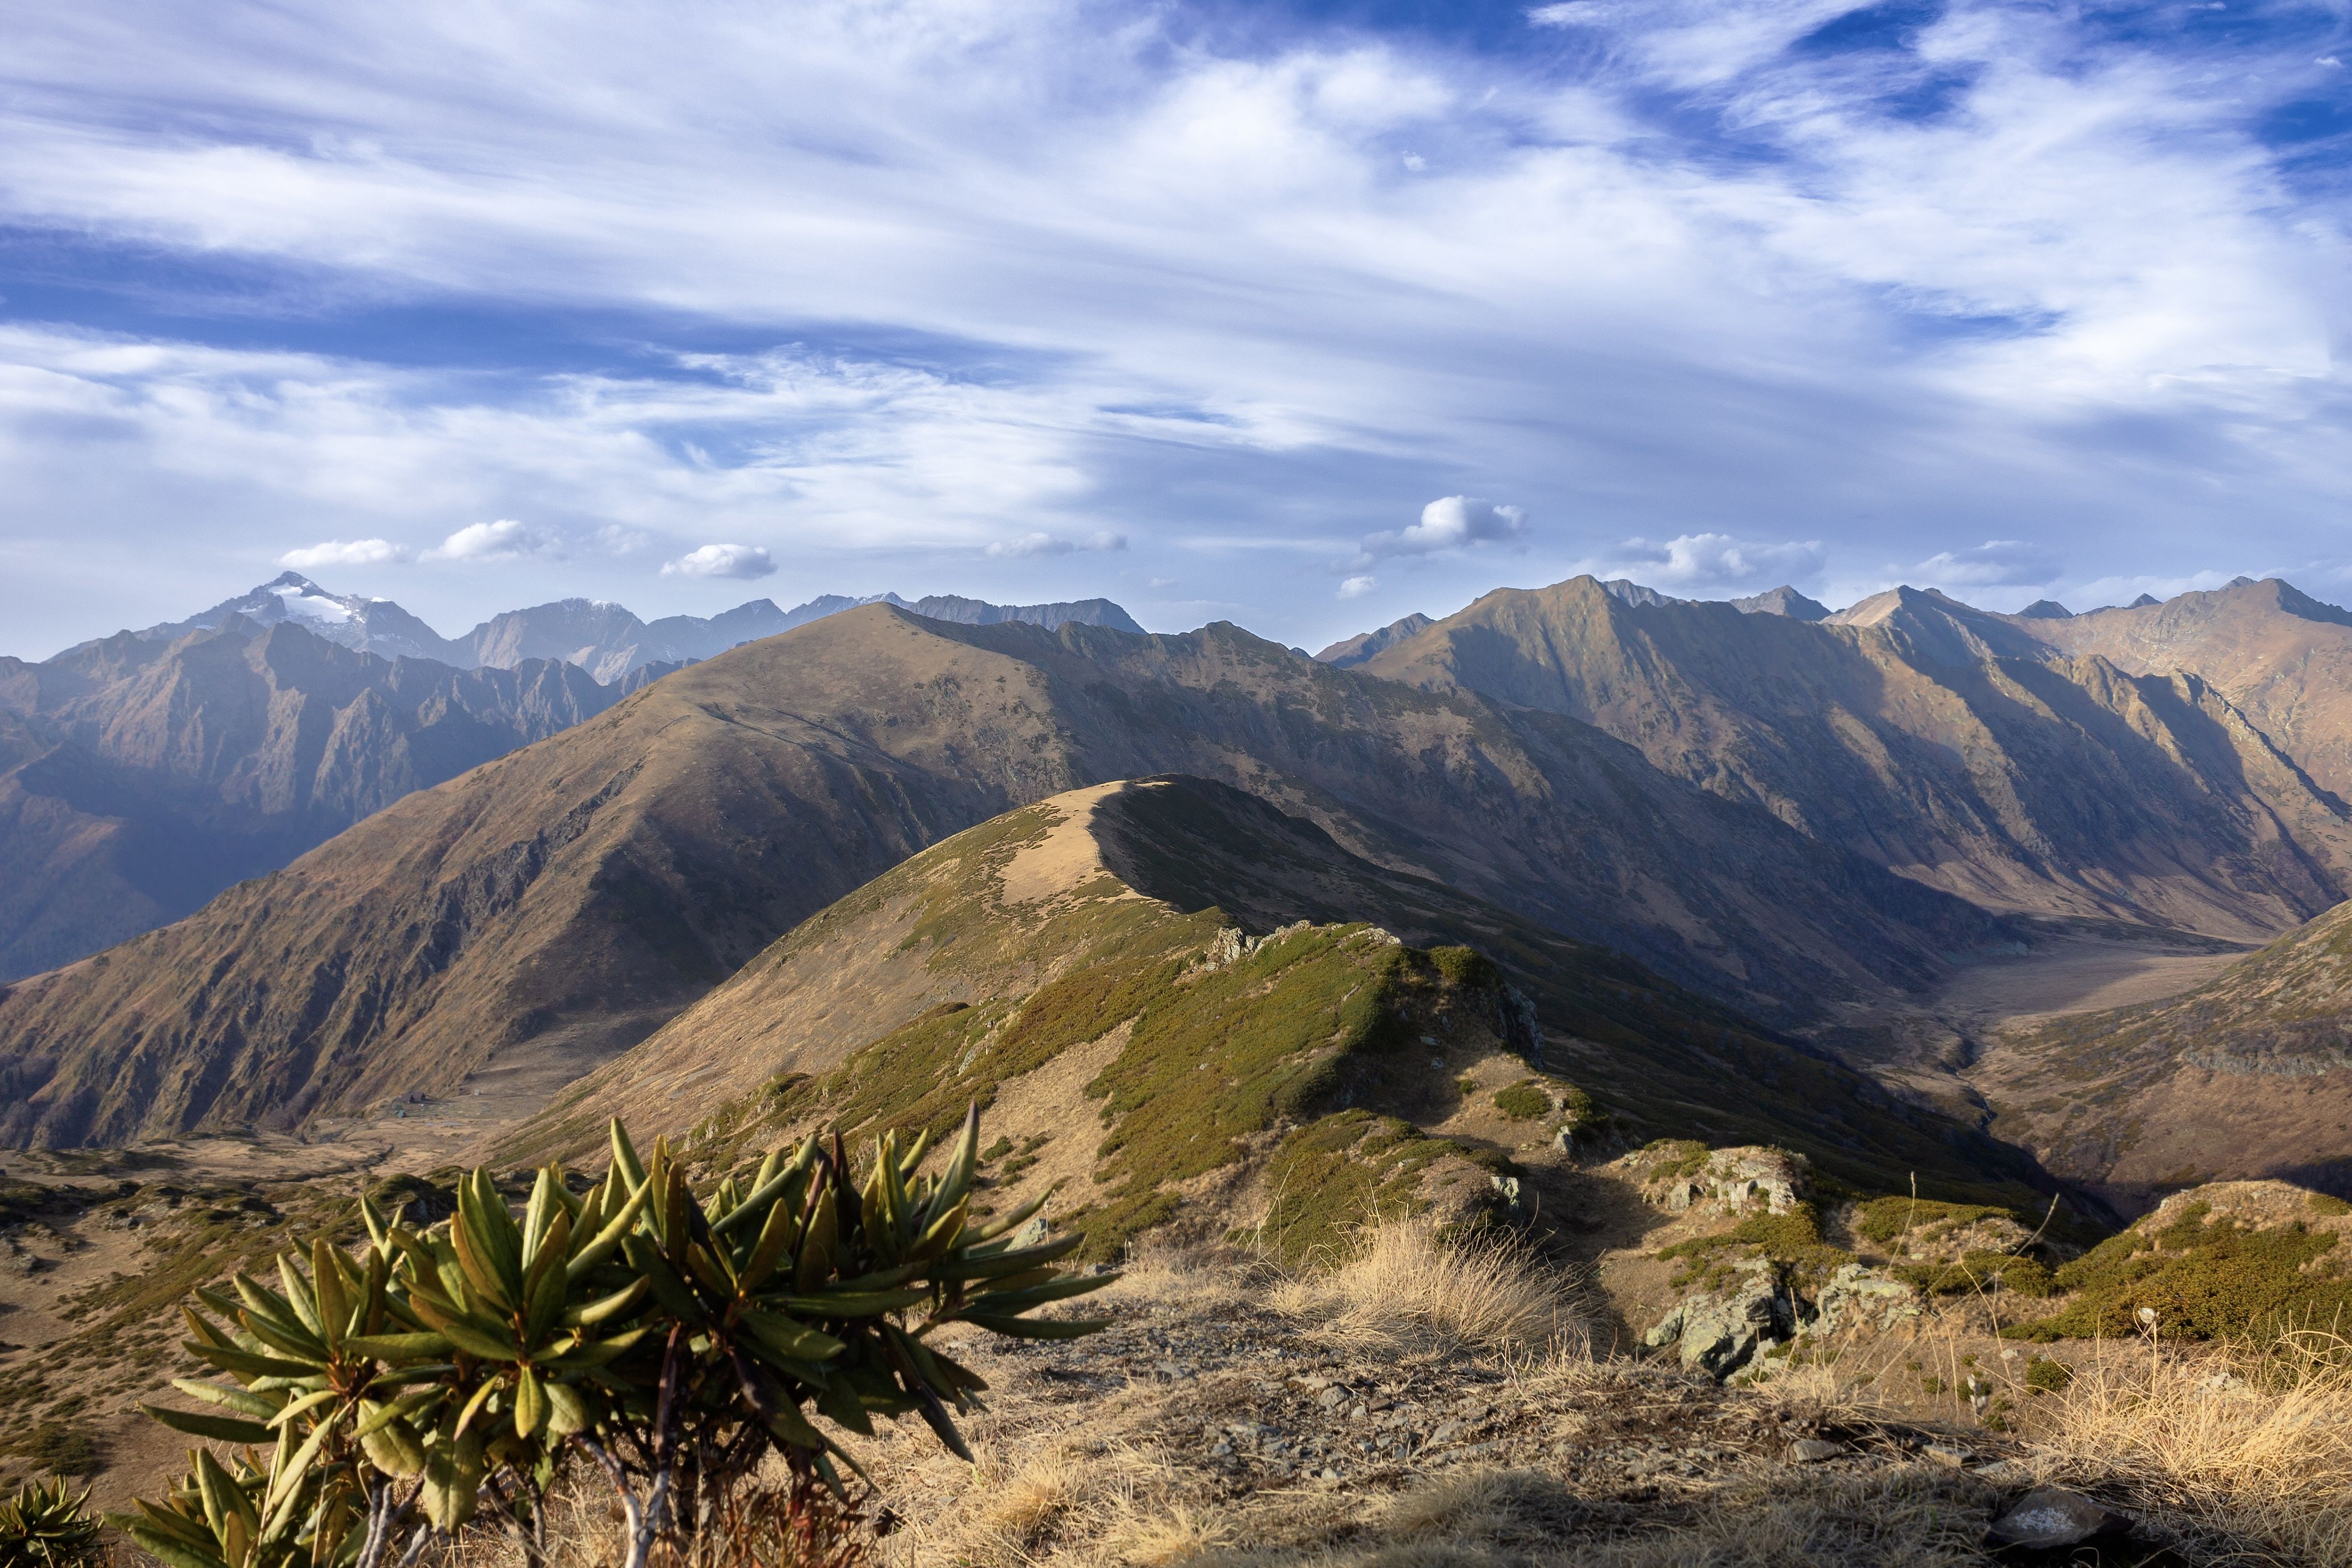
142	777
1949	745
560	904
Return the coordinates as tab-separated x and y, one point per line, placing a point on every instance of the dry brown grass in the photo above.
2251	1446
1407	1281
1523	1519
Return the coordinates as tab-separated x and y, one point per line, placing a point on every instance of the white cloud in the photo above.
1699	562
1029	546
1995	563
1356	587
504	539
1451	522
344	552
2011	265
721	561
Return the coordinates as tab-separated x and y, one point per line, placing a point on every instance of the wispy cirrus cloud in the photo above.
877	297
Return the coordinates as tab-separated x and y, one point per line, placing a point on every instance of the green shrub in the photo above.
2045	1375
1793	1240
2021	1276
1524	1101
2205	1280
1887	1220
674	1339
46	1525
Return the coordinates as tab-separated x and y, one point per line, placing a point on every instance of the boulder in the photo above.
1723	1330
1860	1296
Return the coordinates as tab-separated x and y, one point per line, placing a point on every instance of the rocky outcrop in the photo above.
1677	1178
1723	1330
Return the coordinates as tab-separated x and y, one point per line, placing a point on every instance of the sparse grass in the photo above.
2255	1446
1408	1279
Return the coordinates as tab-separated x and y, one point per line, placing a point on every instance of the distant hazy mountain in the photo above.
540	914
2283	657
367	626
138	777
1782	601
1947	743
1355	650
604	639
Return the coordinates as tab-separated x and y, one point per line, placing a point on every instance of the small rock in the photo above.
1813	1450
1950	1453
1333	1396
2052	1516
1446	1432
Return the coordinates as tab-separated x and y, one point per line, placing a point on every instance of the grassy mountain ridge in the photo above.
1056	925
547	910
1942	742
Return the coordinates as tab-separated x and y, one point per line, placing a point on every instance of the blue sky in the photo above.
1304	317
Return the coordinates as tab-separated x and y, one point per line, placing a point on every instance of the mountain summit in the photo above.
604	639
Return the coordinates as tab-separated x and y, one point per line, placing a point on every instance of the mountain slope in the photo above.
139	778
2281	657
1946	743
548	910
974	964
2249	1075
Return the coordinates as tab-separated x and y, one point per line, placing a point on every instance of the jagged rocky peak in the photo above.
350	620
1783	600
1351	651
1626	591
2046	610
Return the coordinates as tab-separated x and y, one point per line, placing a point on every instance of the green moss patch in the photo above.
1793	1240
2205	1279
1338	1172
1889	1219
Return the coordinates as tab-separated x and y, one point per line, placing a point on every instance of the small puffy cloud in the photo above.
1035	544
1356	587
1697	562
1415	163
501	541
344	552
1995	563
721	561
1451	522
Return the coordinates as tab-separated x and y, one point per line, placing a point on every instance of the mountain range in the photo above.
142	772
1796	817
545	912
604	639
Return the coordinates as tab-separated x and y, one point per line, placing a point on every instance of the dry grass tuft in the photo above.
1175	1533
1407	1280
2253	1445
